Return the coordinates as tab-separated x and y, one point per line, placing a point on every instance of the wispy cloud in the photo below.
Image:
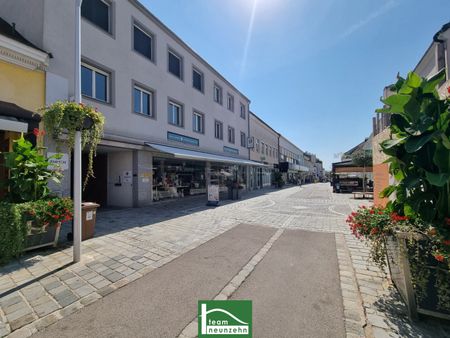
249	37
382	10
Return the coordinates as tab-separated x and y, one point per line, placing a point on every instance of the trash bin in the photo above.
88	213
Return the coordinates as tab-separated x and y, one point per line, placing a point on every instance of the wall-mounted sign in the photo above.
250	142
231	150
127	177
183	139
60	163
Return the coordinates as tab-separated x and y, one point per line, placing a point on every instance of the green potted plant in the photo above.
415	229
278	179
29	196
62	119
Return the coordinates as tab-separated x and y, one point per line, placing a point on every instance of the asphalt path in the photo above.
163	302
295	289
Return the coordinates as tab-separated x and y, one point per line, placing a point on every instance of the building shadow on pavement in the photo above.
392	306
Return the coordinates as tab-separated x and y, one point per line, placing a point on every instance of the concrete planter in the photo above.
39	236
401	273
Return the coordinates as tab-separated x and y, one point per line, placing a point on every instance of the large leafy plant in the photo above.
29	172
419	155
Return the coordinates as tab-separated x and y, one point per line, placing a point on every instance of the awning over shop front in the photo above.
18	119
199	155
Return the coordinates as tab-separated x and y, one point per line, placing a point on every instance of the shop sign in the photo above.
231	150
61	161
182	138
213	193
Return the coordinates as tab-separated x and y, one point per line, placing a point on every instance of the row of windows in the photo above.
265	149
218	134
95	84
98	12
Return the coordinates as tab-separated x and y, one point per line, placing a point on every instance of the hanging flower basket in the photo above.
63	119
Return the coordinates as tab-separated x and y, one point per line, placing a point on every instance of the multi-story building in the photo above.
22	89
291	159
172	121
264	149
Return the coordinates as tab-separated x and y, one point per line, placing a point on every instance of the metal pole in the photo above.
77	146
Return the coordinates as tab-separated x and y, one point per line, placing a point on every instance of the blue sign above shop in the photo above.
183	139
231	150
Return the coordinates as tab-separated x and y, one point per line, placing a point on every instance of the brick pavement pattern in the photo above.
42	288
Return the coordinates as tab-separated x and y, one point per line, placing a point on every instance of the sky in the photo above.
313	69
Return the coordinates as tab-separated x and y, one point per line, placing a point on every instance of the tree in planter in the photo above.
362	158
418	215
63	119
419	156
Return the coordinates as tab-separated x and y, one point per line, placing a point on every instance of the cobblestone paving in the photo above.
38	290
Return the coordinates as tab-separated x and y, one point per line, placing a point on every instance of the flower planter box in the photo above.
39	237
401	271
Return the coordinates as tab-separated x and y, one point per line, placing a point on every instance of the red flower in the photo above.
371	212
36	132
374	231
446	242
448	90
439	257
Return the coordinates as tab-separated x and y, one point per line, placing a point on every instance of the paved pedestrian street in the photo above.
288	249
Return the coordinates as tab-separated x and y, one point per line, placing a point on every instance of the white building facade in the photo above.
264	149
291	161
173	122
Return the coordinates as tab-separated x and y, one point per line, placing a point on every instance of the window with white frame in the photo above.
175	112
94	83
197	79
175	64
243	111
218	94
142	42
230	102
198	122
142	101
218	130
257	145
243	140
230	134
97	12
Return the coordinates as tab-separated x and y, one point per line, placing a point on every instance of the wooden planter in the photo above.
39	237
400	270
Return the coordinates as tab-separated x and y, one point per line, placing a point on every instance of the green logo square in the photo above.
224	318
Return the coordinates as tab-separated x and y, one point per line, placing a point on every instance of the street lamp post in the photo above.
77	145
